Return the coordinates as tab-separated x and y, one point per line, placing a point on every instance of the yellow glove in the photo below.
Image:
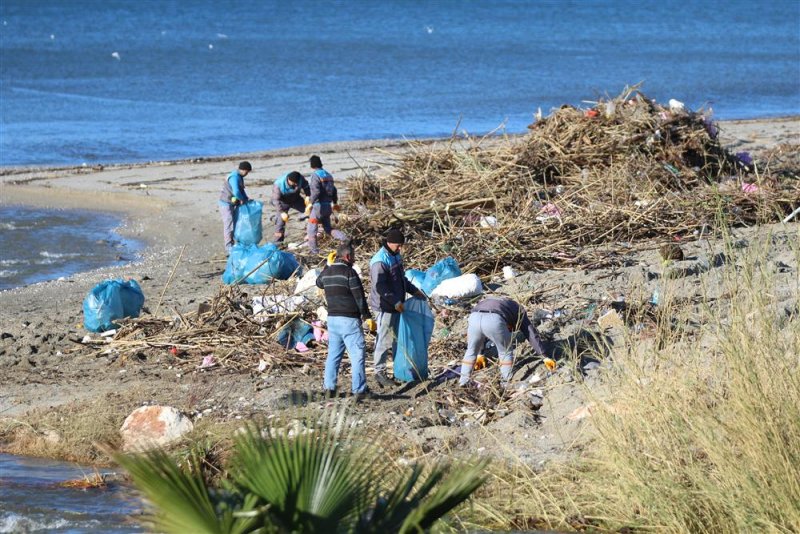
331	257
284	216
308	209
371	325
307	201
399	307
480	362
234	200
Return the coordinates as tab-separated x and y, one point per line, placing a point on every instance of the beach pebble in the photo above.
153	426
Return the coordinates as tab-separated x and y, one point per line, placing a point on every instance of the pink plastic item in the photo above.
749	188
301	347
319	333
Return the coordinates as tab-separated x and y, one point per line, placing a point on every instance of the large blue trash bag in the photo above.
247	230
416	277
413	336
441	270
111	300
266	263
237	259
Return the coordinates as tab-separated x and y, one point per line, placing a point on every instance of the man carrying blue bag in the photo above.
388	290
231	197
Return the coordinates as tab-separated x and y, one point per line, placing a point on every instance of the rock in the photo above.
150	427
610	319
671	251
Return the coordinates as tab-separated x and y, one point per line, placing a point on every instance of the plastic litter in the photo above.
464	286
296	333
274	264
268	304
413	336
549	211
111	300
749	188
416	277
508	272
247	230
308	282
441	270
655	297
488	221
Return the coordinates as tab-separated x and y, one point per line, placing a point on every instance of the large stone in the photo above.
150	427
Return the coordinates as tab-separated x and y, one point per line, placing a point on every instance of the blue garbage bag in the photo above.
413	336
247	230
266	263
416	277
111	300
441	270
295	332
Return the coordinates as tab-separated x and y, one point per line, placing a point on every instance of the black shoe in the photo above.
384	381
329	393
366	394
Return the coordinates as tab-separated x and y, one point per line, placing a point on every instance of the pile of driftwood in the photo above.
582	189
224	332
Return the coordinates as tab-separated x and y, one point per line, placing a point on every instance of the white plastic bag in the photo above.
466	285
308	282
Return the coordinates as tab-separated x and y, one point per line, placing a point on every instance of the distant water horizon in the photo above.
114	81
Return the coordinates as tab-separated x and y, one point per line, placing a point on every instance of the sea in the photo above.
116	81
32	500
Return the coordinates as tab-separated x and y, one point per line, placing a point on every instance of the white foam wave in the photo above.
13	522
12	262
47	254
7	273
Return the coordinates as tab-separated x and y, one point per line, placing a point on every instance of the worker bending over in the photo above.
286	195
497	318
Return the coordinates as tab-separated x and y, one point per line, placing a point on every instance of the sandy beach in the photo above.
48	382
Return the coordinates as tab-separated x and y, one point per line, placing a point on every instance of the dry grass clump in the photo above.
626	171
698	437
78	431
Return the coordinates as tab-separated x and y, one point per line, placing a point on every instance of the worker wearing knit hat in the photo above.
388	288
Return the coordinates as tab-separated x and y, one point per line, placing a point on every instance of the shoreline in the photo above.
142	208
323	147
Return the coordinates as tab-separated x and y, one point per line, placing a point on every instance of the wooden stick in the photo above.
174	267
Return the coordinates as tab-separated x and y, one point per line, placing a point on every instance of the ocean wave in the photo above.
8	273
6	263
57	255
13	522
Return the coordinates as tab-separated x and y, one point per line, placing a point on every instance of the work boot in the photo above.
329	394
384	381
366	394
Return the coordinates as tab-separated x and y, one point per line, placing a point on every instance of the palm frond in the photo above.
179	499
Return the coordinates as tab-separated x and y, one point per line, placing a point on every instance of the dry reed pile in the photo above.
581	189
224	332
